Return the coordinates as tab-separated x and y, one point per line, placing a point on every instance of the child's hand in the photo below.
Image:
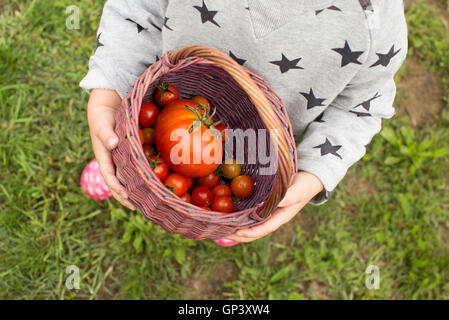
305	186
101	108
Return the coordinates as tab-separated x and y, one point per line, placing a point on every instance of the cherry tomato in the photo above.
206	208
202	101
231	169
222	190
141	136
148	135
209	181
242	186
148	114
165	94
223	204
202	196
159	167
148	150
222	128
189	182
177	183
186	197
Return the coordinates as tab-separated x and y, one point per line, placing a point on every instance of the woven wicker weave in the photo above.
243	100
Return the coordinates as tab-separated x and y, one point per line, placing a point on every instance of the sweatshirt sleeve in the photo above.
339	138
128	41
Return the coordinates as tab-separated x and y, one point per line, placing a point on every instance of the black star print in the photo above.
285	64
320	118
347	55
367	104
384	59
361	114
165	24
207	15
312	101
99	44
238	60
139	27
327	147
334	8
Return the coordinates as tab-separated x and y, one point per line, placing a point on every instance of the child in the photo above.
331	61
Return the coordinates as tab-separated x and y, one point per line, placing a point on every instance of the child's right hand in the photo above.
103	103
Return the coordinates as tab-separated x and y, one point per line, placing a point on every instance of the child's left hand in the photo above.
305	186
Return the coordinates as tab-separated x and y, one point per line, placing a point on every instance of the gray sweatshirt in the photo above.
331	61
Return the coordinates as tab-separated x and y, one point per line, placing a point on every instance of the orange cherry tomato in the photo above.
148	135
231	169
141	136
242	186
223	129
202	101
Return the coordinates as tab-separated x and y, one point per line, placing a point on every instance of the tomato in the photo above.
148	135
231	169
189	182
242	186
202	101
148	150
222	190
222	128
183	138
223	204
209	181
202	196
165	94
177	183
141	136
206	208
159	167
186	197
148	114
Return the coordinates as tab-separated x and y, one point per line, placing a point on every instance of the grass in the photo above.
392	210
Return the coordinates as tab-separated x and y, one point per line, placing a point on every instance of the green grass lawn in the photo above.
392	210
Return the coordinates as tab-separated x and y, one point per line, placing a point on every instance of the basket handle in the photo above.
263	106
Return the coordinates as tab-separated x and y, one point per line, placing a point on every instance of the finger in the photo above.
279	217
102	126
106	166
304	187
241	239
123	201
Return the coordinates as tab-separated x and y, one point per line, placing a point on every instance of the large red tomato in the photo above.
184	140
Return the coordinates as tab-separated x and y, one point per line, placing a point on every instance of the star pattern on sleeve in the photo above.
206	14
320	118
333	8
139	27
240	61
99	44
285	64
360	114
328	148
385	58
367	104
312	100
347	55
165	24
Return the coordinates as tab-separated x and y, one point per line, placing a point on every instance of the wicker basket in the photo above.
243	100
